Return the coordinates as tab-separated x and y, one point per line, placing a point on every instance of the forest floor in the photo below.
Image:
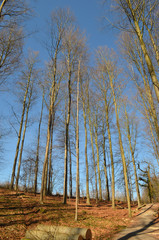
21	211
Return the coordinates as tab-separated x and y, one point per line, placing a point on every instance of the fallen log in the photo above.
49	232
43	235
84	232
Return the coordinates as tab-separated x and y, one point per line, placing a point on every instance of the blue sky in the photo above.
88	14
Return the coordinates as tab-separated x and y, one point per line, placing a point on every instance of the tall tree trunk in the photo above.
150	191
66	139
20	129
111	153
51	113
86	155
70	171
46	173
133	159
38	145
77	146
22	145
105	167
121	148
92	144
42	193
50	158
98	165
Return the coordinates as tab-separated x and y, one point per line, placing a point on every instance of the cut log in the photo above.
44	235
84	232
49	232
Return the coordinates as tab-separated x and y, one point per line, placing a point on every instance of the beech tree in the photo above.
100	77
38	144
58	25
131	130
112	71
73	45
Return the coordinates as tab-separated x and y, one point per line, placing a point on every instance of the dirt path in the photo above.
145	226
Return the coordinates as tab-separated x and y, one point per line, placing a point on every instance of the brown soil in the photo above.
21	211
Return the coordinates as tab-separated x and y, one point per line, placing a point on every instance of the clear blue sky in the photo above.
88	14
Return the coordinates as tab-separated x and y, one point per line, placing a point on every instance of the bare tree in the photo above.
100	77
59	22
132	146
38	146
112	71
72	49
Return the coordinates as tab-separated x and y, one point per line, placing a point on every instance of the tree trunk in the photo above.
121	149
98	166
111	153
50	158
42	193
50	119
94	163
37	150
86	155
77	146
70	168
133	159
105	168
66	140
149	185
